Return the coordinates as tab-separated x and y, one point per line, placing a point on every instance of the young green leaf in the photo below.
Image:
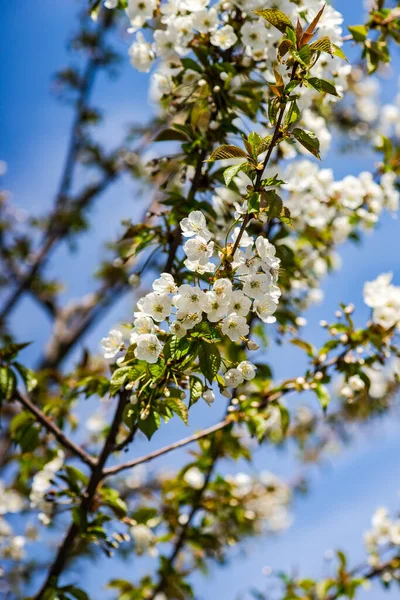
231	172
171	135
322	86
276	17
323	396
271	204
339	52
359	32
150	424
8	383
227	151
209	360
196	390
178	407
292	115
254	203
307	139
322	45
29	378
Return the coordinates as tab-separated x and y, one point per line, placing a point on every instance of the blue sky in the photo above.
33	137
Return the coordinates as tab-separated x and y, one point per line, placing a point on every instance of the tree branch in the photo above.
51	427
73	532
166	449
54	232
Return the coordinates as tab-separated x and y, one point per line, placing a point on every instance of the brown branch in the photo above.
51	427
275	136
368	573
73	532
166	449
54	232
168	565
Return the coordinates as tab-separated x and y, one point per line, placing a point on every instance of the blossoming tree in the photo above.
242	225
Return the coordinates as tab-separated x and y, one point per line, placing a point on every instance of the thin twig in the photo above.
54	232
73	532
271	147
51	427
166	449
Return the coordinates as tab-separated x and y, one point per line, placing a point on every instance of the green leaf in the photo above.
189	63
157	369
29	378
227	151
309	140
178	407
322	86
291	35
284	47
171	135
209	360
118	379
264	144
79	518
291	86
359	32
231	172
271	204
176	348
196	390
304	54
285	216
306	346
292	115
130	414
75	592
276	17
150	425
339	52
8	383
323	396
322	45
112	499
272	181
10	351
285	418
273	109
253	203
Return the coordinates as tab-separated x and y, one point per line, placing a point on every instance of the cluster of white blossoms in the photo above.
384	299
41	483
11	546
385	531
176	25
265	499
317	200
225	304
144	538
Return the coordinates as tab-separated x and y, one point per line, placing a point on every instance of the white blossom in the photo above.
190	298
257	285
141	54
247	369
141	325
224	38
165	284
194	478
235	327
148	348
265	308
112	344
233	378
157	306
195	224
